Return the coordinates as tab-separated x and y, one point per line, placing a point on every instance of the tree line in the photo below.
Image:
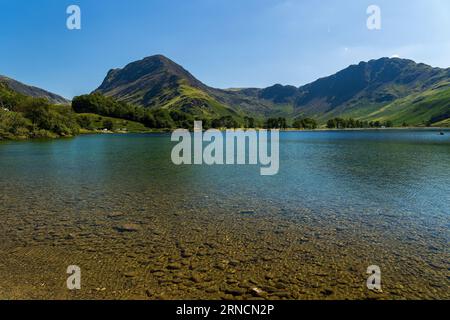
152	118
350	123
23	116
167	119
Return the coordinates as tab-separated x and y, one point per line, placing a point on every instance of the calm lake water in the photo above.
140	227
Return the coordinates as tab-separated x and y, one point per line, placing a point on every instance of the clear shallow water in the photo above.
343	200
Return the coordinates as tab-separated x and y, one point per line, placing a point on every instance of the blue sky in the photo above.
224	43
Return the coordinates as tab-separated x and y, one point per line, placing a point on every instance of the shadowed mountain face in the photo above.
142	82
364	91
32	91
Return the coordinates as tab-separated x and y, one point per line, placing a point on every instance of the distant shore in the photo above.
150	131
369	129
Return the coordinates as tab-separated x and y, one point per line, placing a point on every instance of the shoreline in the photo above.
369	129
159	131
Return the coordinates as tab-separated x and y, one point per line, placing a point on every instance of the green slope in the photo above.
196	102
23	117
429	107
443	123
97	122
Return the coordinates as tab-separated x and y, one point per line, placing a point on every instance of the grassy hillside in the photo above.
23	117
426	108
197	103
94	122
443	123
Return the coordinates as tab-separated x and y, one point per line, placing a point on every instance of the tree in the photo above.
163	119
109	107
85	122
13	124
306	123
108	124
276	123
331	124
225	122
249	122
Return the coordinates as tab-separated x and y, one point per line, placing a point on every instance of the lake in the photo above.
140	227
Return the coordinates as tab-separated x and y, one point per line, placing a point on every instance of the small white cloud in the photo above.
395	56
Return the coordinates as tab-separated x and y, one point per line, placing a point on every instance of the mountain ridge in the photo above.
32	91
358	90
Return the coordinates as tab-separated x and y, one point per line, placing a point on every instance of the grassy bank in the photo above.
94	123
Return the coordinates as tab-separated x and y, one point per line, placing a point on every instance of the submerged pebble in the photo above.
128	227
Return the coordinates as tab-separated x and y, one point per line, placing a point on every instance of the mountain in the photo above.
32	91
157	82
390	89
360	90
